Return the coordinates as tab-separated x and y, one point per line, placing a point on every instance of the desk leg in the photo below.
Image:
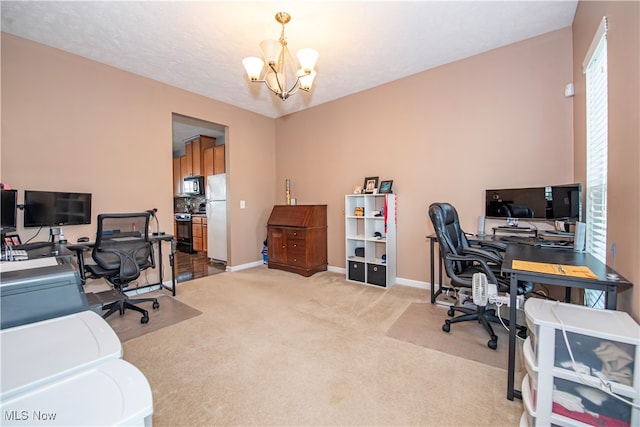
173	274
433	286
513	295
611	297
160	269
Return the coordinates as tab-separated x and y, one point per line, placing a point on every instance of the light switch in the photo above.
242	204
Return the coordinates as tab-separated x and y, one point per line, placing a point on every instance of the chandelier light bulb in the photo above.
281	67
308	58
253	66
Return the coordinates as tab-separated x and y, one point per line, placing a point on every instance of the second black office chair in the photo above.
461	261
121	251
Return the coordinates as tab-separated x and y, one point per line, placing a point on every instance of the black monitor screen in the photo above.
51	208
8	210
550	202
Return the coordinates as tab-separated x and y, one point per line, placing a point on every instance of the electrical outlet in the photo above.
242	204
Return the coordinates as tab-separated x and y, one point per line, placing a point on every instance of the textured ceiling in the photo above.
199	46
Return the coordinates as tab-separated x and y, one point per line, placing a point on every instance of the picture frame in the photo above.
385	187
370	185
12	240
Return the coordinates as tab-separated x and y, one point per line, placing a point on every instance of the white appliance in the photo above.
216	193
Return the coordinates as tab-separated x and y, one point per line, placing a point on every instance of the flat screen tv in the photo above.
53	208
8	210
549	203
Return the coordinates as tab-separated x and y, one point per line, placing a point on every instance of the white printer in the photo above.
68	371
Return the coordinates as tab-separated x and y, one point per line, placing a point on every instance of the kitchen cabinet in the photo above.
177	176
213	160
194	149
218	159
188	159
207	161
199	228
297	238
196	160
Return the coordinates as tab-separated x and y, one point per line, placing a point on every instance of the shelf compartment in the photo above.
377	274
356	271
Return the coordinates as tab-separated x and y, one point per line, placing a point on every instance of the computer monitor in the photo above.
53	208
8	210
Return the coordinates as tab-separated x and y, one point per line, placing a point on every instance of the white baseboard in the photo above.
245	266
341	270
399	280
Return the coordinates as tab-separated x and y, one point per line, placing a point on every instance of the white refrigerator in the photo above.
216	194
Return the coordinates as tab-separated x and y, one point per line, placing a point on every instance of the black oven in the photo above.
184	233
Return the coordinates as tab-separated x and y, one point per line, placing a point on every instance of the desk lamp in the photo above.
152	213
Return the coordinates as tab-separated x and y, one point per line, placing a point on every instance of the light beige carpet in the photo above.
170	312
275	348
421	324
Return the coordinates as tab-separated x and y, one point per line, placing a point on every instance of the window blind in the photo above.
595	69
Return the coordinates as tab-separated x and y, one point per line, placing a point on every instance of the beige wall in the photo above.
499	119
71	124
623	57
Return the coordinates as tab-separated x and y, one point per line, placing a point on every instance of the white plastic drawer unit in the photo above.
582	365
38	353
112	393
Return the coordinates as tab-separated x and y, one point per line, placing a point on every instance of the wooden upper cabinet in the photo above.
188	155
218	159
207	161
202	157
213	160
177	176
194	150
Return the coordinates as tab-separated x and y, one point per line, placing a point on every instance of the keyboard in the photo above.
14	255
556	245
35	245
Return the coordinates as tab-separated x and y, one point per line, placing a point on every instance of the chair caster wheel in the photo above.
522	333
144	318
493	344
451	312
447	326
156	304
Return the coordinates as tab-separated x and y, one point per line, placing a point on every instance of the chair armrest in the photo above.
480	260
487	256
500	246
80	250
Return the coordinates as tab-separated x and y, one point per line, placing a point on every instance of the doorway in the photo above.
193	264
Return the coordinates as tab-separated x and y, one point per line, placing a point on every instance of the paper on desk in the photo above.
562	270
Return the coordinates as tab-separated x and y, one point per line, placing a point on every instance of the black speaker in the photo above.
360	252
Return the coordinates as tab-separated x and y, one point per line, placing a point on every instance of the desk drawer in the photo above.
297	260
296	246
294	233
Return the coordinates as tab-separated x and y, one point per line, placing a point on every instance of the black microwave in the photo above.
193	186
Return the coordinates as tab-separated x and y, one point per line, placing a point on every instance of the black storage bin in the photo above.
356	271
377	274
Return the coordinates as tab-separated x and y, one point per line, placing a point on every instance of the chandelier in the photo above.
281	68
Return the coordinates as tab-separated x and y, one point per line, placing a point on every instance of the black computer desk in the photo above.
531	253
156	239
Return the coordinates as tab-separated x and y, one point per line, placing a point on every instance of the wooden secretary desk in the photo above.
297	238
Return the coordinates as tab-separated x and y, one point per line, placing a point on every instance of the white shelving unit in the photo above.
370	240
605	345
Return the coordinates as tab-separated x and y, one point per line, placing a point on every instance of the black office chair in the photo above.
511	210
461	261
121	251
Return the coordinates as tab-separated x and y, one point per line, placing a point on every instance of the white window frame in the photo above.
597	117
